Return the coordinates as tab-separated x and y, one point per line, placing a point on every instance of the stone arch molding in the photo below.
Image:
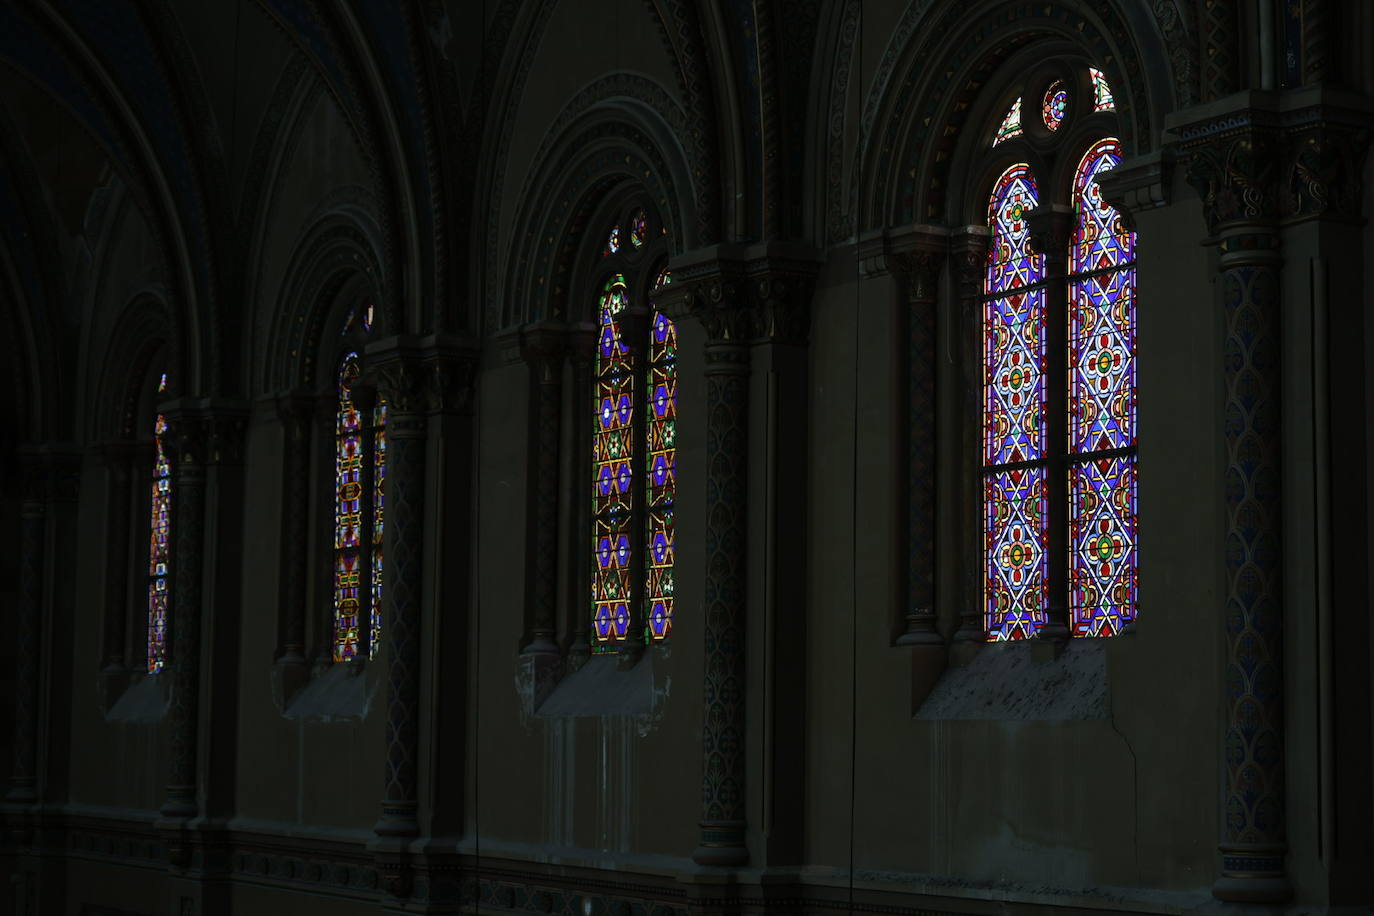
929	79
142	332
622	129
340	247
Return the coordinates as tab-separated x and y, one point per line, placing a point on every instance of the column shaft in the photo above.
188	503
723	762
405	482
28	619
1253	836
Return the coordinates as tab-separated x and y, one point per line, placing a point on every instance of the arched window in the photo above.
1084	480
159	543
359	504
634	407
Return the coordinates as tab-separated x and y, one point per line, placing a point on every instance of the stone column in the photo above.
968	257
399	380
1237	176
541	346
921	269
582	343
715	299
122	465
27	631
296	411
187	435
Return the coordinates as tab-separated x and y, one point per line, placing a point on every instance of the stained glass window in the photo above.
1011	124
358	527
612	472
159	548
639	226
1014	414
1102	406
634	457
1055	106
612	242
1093	471
1102	93
661	483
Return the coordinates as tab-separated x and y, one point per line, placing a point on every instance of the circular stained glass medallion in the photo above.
1056	105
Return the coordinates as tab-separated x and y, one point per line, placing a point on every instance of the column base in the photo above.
180	803
397	820
722	844
1252	875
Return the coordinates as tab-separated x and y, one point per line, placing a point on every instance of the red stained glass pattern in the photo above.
612	474
1055	105
1100	240
1102	538
1014	542
661	484
1011	123
348	520
160	544
1102	93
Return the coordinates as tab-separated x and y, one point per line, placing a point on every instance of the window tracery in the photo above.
1092	473
359	508
159	546
634	406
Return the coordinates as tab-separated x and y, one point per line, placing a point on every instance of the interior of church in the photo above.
686	457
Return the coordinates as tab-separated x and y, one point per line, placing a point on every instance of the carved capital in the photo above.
225	429
121	457
921	268
401	382
1051	230
582	341
968	256
1325	171
296	411
450	383
1237	178
542	345
781	302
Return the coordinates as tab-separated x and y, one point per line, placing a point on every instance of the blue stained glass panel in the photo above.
1014	542
1103	575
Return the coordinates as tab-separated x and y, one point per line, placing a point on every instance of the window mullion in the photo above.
1051	232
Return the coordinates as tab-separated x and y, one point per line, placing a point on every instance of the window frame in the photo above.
1052	157
641	269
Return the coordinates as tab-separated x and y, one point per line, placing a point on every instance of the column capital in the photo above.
1260	157
542	346
1051	229
756	294
120	456
968	255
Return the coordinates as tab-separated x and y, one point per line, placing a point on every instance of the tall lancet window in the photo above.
1102	396
634	455
159	542
359	512
1034	479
